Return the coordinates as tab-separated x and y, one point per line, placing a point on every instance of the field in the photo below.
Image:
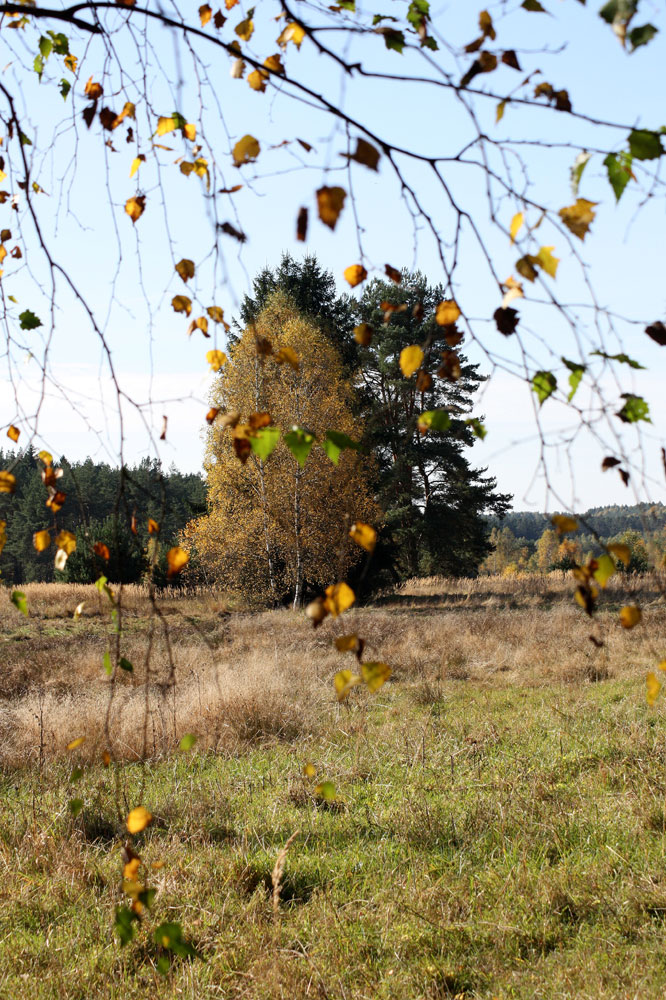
499	828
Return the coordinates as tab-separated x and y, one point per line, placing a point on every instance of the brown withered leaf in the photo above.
107	119
657	332
423	381
302	225
185	268
164	428
364	153
93	90
242	448
135	207
506	320
231	190
200	323
450	367
393	273
452	335
230	230
624	476
219	19
258	420
56	500
486	63
330	201
264	346
88	114
609	463
205	14
212	413
418	311
509	58
101	550
578	217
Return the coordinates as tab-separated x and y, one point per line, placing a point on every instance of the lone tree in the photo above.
419	423
279	518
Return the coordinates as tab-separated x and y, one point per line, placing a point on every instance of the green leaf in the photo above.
417	12
108	666
579	165
478	428
147	897
434	420
60	43
19	600
393	39
25	141
125	665
65	87
622	358
641	35
335	442
635	408
645	145
163	965
38	66
75	806
347	4
170	937
326	790
123	923
544	384
77	773
299	443
188	741
264	442
28	320
577	372
618	11
45	46
618	166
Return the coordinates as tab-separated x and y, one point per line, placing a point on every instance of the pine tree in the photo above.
432	498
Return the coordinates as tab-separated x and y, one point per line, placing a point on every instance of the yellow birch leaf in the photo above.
499	113
364	535
190	131
136	163
46	457
245	29
41	540
346	643
216	314
630	615
165	125
339	597
547	261
410	360
185	268
274	63
294	33
578	217
447	312
216	359
516	224
605	569
257	80
13	433
177	559
7	482
182	304
355	274
330	201
309	771
205	14
363	334
653	688
66	541
135	207
620	551
344	681
662	665
246	150
138	819
74	744
563	523
375	675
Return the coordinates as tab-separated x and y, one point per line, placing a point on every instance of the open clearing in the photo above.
500	829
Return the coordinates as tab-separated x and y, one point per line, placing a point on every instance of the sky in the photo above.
126	272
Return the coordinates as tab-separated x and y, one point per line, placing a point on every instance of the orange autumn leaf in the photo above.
177	559
355	274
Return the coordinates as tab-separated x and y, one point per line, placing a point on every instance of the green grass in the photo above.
489	842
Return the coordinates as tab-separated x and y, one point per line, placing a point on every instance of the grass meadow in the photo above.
499	829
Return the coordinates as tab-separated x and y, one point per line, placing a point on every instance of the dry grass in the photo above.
500	830
235	678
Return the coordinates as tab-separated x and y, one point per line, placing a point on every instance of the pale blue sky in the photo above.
153	356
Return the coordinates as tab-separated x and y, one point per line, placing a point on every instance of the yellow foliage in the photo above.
273	526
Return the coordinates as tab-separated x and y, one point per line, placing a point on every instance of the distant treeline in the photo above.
103	505
606	521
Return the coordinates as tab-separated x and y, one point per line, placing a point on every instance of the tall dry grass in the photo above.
234	678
